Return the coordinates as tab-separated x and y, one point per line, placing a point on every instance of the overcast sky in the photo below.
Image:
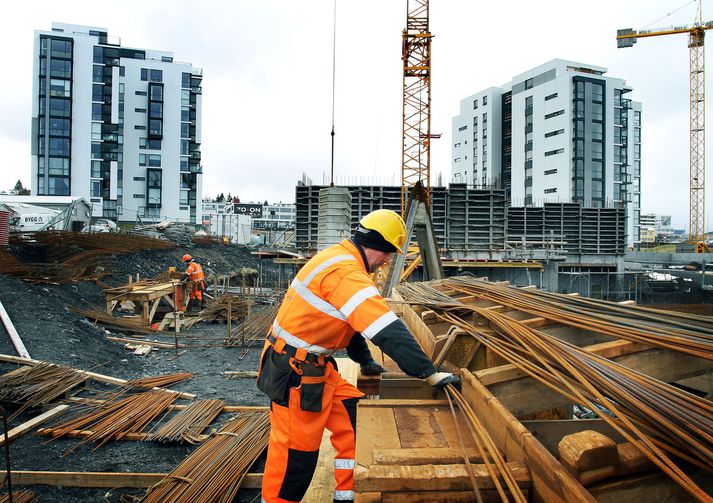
267	86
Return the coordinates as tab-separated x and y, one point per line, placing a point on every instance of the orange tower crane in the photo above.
696	35
416	57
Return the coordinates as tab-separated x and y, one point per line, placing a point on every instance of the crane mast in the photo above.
697	172
416	57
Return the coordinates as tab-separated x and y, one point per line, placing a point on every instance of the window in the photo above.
485	100
140	93
61	88
122	71
142	128
554	133
597	169
156	75
485	119
154	159
58	166
475	104
95	188
637	135
550	171
529	83
142	159
58	127
637	119
96	169
58	186
61	69
156	110
185	97
184	165
98	54
550	96
60	107
140	110
96	150
596	150
579	148
597	111
554	114
139	178
597	131
96	131
97	92
155	127
186	80
156	93
463	128
554	152
61	48
144	74
98	73
185	114
597	92
139	196
550	191
454	145
183	197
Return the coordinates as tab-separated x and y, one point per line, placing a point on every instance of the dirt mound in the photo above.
53	334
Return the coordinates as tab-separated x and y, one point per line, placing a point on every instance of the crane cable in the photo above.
334	73
672	12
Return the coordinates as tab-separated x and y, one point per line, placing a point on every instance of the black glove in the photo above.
372	368
440	380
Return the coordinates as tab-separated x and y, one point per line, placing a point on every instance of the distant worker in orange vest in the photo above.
332	304
194	275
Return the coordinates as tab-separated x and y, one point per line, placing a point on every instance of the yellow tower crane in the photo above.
416	58
696	35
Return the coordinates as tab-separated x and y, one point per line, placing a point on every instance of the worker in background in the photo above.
196	280
332	304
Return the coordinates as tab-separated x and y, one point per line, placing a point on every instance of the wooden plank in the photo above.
444	417
393	402
420	330
611	349
33	423
453	477
12	332
424	456
526	396
92	375
418	428
102	479
550	481
376	429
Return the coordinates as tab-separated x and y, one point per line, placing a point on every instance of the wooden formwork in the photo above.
526	419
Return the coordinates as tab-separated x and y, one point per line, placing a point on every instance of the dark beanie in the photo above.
372	239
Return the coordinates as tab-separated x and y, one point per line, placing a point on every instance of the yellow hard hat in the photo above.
389	225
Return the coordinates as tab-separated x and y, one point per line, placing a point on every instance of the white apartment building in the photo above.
118	126
560	132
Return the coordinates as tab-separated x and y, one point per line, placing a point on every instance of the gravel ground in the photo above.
53	334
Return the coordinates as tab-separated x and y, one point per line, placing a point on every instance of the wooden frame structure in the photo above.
148	296
526	420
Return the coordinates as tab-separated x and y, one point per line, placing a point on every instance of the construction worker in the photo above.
332	304
194	275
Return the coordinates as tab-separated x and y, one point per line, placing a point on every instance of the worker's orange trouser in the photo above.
295	437
197	291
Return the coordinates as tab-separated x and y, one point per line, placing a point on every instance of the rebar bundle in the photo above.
255	327
19	497
659	419
37	385
188	424
113	421
81	268
217	311
159	381
214	472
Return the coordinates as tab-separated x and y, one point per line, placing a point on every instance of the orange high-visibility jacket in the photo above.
333	297
195	272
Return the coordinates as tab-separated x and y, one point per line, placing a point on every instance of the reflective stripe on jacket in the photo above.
195	272
331	298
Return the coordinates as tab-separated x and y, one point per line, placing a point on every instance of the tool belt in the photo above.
299	354
284	366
